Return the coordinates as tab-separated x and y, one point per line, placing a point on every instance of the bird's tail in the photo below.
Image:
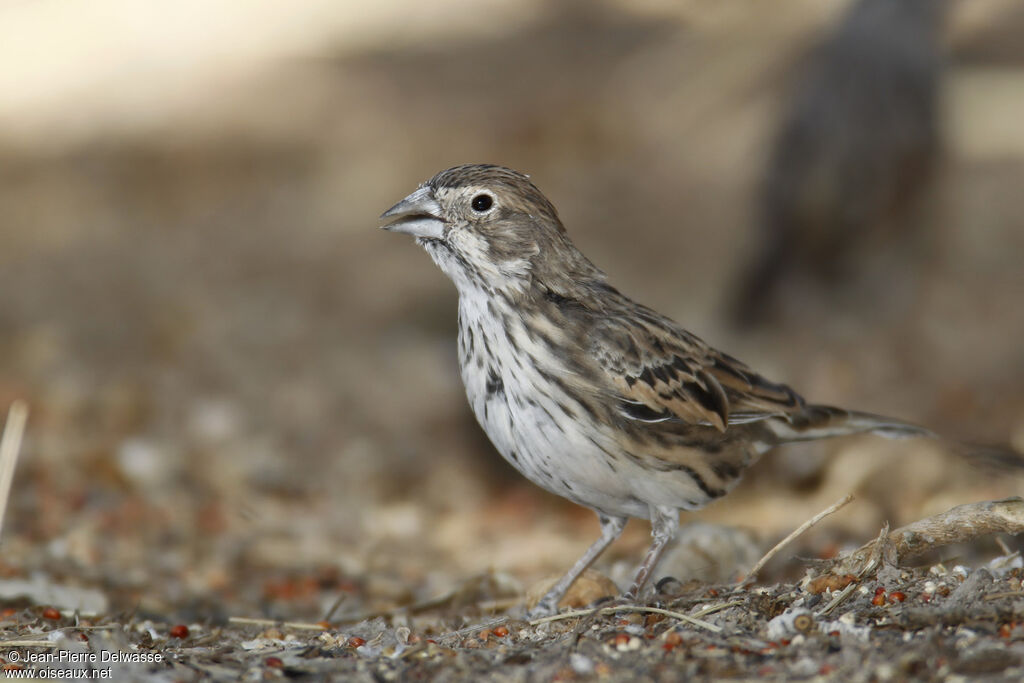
822	422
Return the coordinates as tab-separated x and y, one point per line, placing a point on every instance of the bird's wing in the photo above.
659	373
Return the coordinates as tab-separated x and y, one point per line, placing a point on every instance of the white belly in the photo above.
547	435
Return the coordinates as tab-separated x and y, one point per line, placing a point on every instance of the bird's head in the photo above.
489	227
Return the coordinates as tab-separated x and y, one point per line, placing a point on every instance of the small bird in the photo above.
587	393
856	152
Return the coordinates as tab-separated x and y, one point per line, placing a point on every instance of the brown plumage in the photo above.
587	393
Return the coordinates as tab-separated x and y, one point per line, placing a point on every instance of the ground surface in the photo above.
904	624
244	400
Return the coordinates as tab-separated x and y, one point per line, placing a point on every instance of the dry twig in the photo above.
711	609
10	445
298	625
838	599
789	539
631	608
27	642
962	523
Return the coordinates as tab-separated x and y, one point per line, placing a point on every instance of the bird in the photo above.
857	151
587	393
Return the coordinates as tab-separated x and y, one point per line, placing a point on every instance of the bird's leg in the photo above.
611	528
664	524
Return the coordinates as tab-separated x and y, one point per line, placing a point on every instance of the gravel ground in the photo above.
245	412
929	623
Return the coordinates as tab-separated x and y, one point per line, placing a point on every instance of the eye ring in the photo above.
482	202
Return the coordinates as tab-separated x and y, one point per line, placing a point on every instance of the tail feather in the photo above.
822	422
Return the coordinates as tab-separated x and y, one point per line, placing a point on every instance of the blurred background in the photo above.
244	396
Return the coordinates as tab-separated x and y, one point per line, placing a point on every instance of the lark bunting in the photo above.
589	394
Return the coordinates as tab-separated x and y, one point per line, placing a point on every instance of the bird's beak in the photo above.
419	215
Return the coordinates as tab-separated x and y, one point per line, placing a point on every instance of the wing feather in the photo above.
661	373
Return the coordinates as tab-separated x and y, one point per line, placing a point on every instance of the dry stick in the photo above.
334	606
711	609
838	599
789	539
962	523
628	608
248	621
9	447
694	619
36	642
29	643
1002	546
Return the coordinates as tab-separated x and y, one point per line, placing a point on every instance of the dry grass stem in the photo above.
797	532
10	445
711	609
29	643
334	606
629	608
838	599
298	625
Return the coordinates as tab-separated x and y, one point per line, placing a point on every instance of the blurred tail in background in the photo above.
858	143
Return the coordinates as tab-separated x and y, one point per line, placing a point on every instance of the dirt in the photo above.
245	416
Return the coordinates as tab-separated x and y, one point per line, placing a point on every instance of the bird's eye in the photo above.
482	202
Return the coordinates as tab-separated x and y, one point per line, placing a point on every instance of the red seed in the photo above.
897	596
1004	631
621	639
713	592
325	625
879	591
274	662
878	600
51	613
179	631
484	635
500	631
356	641
674	639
